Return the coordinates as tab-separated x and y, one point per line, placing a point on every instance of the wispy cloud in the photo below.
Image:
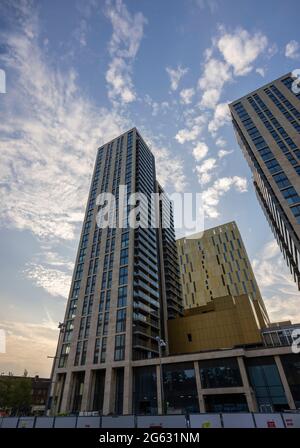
126	37
25	339
175	75
292	50
205	170
240	49
277	286
186	95
211	196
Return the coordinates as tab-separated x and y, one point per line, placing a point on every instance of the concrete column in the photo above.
250	397
65	404
285	384
109	389
127	400
199	389
158	388
86	396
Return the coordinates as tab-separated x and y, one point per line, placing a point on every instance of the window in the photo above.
121	320
125	239
291	196
189	336
123	276
265	381
83	354
145	391
103	350
296	212
281	180
119	347
124	256
97	351
220	373
122	296
180	388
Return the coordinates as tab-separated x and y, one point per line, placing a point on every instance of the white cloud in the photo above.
221	142
261	71
292	50
187	135
54	281
124	44
211	196
175	75
156	106
186	95
220	118
212	5
278	289
28	344
205	170
215	74
240	49
200	151
223	153
47	151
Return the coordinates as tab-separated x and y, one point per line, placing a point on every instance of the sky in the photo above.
81	72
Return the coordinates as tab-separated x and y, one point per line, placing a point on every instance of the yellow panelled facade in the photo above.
225	322
215	264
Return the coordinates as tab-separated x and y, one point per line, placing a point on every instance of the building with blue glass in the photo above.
267	127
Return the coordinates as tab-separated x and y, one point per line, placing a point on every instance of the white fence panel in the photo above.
88	422
268	421
161	421
291	420
26	422
10	422
205	421
238	420
44	422
65	422
121	421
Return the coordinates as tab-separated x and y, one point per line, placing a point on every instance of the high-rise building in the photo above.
267	127
215	264
125	284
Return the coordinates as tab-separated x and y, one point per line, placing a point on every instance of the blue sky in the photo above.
81	72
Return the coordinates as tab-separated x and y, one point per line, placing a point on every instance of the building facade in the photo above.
119	300
236	380
215	264
225	322
267	127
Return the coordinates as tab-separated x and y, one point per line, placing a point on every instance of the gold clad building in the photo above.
223	305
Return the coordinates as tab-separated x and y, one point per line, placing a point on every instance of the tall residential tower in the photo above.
119	300
267	127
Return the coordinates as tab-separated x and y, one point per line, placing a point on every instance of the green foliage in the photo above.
15	394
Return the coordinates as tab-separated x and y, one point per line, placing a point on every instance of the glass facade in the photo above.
291	366
145	391
226	403
266	383
267	128
220	373
99	380
180	389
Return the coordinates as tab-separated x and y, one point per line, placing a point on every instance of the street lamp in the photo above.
61	326
161	343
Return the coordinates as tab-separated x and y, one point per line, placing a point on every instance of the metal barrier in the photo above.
225	420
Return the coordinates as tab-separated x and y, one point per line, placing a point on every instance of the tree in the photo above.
15	394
